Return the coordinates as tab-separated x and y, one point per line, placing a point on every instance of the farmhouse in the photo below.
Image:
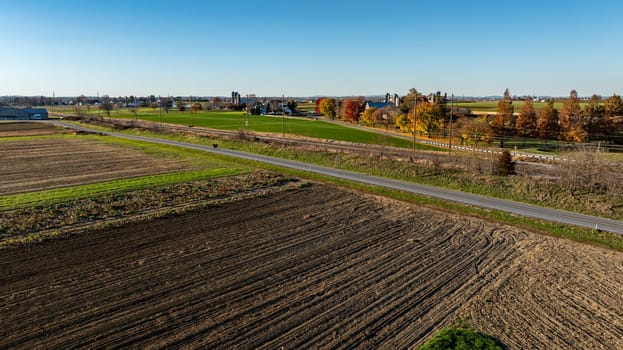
23	113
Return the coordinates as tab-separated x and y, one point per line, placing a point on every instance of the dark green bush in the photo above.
461	339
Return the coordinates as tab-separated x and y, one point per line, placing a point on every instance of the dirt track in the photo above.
315	267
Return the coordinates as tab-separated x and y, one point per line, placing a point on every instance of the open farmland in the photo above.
45	163
8	129
313	267
491	107
225	120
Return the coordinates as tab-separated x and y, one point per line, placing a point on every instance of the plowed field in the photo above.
37	164
8	129
314	267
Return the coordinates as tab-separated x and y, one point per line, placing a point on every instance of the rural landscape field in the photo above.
295	175
235	257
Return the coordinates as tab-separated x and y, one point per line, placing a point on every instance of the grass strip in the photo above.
21	200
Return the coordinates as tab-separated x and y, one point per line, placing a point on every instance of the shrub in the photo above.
461	339
505	165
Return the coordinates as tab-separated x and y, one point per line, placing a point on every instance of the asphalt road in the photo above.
451	195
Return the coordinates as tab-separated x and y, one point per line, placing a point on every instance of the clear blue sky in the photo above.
304	48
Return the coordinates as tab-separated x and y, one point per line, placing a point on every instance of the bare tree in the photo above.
107	105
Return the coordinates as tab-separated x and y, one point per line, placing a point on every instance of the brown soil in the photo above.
8	129
38	164
314	267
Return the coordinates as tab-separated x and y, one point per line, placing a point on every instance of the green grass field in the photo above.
306	107
492	106
272	124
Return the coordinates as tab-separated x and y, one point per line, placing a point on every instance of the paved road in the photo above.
456	196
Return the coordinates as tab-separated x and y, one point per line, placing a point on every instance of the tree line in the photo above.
600	119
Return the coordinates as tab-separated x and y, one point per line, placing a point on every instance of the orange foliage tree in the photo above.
352	109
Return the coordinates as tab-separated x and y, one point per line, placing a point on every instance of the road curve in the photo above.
523	209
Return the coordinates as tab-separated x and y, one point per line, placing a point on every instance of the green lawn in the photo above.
273	124
492	106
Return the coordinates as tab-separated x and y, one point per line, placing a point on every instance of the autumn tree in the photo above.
317	105
367	117
570	113
386	115
594	114
404	122
577	132
547	124
428	119
571	120
196	107
473	130
526	121
613	109
613	106
407	103
504	124
327	107
352	109
441	108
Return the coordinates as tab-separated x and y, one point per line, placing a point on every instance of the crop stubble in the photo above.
37	164
315	267
9	129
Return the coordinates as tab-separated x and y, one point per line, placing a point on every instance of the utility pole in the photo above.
160	108
283	116
246	122
191	110
414	122
450	135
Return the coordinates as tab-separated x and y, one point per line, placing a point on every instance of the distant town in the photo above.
146	101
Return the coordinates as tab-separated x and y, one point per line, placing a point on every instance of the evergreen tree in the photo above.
505	165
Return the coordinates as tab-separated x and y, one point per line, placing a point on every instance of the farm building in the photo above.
23	113
378	105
